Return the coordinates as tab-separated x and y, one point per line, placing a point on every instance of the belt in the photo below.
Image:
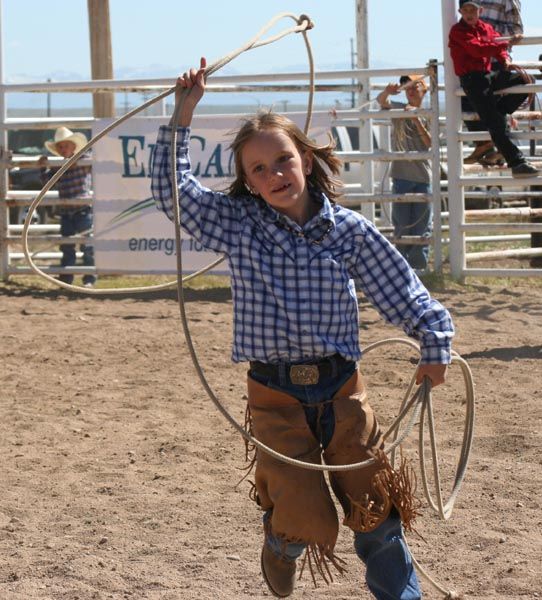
301	374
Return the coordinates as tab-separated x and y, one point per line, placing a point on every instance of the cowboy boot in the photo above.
278	572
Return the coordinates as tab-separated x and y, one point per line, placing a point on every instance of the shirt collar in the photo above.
324	216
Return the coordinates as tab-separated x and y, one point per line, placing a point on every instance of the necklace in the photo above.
301	234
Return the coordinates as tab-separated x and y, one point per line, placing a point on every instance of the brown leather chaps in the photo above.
301	504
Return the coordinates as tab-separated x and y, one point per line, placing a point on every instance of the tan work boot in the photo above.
279	573
480	149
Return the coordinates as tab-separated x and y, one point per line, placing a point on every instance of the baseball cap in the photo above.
463	2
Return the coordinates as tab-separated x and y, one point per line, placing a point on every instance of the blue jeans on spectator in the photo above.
71	223
412	218
389	573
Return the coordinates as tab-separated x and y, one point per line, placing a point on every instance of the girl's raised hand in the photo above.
194	82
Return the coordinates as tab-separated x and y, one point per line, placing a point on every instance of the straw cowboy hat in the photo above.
404	79
63	134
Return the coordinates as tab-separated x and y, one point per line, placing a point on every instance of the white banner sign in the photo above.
130	234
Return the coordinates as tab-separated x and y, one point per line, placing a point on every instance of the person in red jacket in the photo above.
473	44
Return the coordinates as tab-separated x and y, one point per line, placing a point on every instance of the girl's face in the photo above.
277	171
66	148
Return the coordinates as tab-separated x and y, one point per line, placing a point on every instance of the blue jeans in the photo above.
412	218
379	550
72	223
389	571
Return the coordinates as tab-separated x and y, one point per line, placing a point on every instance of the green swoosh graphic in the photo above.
133	210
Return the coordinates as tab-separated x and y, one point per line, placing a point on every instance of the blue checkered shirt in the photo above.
295	299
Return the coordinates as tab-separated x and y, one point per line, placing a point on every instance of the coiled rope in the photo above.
420	403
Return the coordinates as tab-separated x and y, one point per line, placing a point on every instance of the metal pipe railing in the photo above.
350	118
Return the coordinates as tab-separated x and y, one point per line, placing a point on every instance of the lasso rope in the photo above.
421	399
419	403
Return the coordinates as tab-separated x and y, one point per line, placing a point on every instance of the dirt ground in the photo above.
119	477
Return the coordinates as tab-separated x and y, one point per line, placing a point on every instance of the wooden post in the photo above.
101	55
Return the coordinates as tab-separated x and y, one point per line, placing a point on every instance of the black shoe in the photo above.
524	169
65	279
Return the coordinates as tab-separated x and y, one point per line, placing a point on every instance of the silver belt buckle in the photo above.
304	374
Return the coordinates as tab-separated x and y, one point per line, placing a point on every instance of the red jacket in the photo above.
472	48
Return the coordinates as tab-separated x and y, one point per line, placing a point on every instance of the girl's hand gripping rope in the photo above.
192	85
435	373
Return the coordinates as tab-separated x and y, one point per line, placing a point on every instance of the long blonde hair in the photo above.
326	165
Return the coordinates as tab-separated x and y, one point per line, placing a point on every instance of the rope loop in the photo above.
303	23
419	401
305	18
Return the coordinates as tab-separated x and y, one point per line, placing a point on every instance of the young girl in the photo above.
294	256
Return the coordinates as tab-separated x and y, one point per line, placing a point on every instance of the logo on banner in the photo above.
130	234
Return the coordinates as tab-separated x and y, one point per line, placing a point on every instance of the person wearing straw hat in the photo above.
75	183
410	176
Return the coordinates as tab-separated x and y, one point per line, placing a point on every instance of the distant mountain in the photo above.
39	102
161	70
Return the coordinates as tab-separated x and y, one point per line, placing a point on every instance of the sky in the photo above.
165	37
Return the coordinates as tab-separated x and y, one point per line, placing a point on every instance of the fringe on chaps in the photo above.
300	502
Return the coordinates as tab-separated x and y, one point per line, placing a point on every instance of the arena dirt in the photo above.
119	477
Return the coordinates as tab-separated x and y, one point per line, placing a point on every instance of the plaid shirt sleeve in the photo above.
503	15
212	218
395	291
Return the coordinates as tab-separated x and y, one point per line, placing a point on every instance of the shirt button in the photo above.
299	240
